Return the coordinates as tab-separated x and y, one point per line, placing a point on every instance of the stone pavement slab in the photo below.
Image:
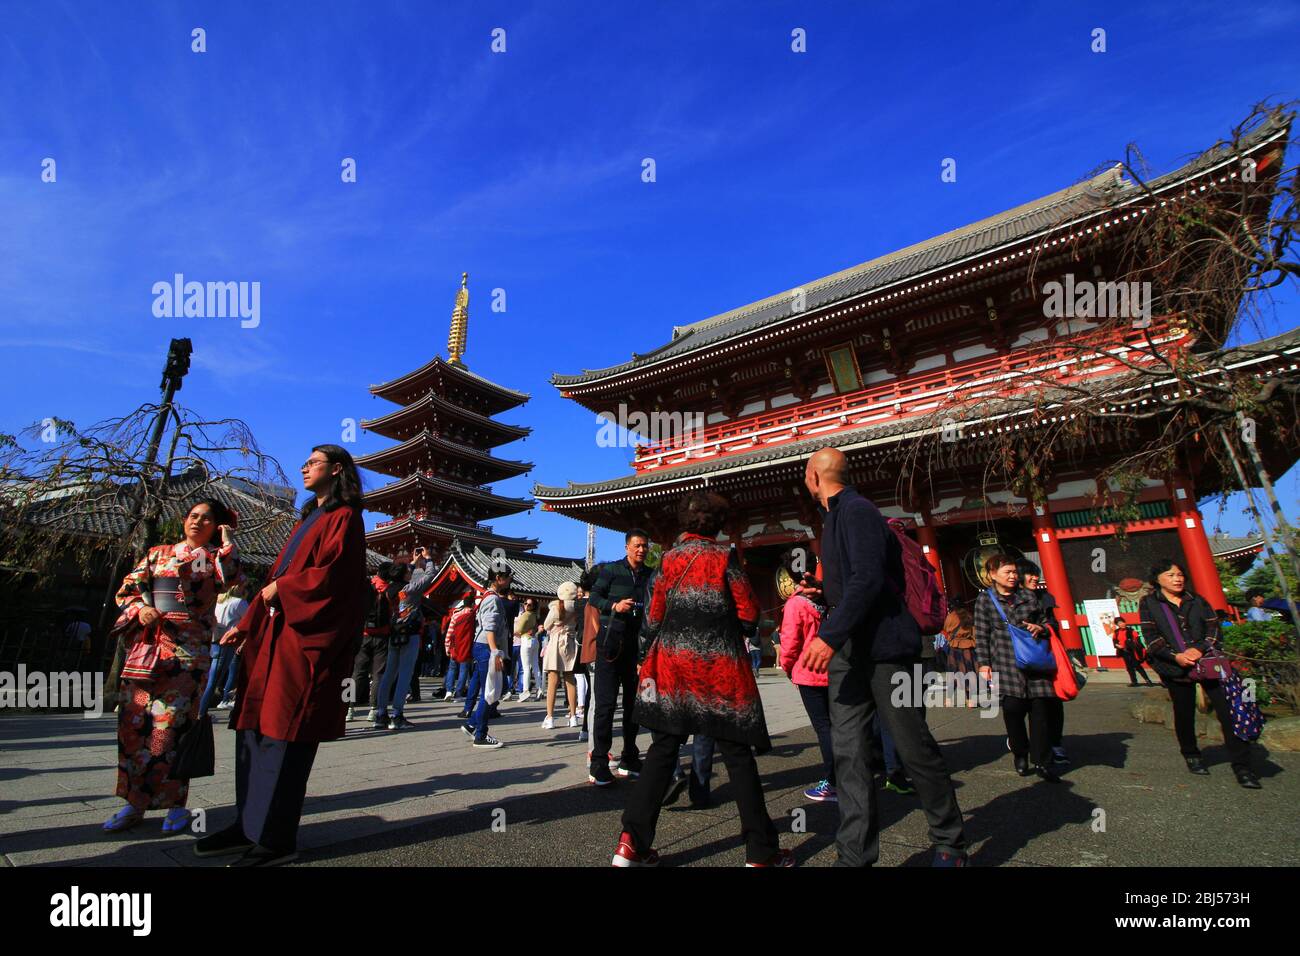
425	797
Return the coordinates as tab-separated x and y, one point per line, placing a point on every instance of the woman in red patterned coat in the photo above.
697	679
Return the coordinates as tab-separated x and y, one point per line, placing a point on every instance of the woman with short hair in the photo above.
1023	695
697	679
801	619
169	599
528	679
1031	575
1180	628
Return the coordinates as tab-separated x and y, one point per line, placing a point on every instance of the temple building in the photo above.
879	359
444	458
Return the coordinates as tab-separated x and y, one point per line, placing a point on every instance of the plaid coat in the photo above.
993	642
697	677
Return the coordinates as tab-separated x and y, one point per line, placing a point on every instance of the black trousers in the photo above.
1183	697
1056	720
1043	714
368	670
612	677
643	805
857	683
1133	668
270	786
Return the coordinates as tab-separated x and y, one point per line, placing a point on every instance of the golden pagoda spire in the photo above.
459	323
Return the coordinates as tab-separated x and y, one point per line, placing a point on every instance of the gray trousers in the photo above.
856	684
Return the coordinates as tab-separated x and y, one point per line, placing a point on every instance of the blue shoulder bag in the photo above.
1031	653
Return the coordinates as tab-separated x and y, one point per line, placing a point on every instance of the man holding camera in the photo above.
620	595
403	640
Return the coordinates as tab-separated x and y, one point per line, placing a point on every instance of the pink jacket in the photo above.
800	622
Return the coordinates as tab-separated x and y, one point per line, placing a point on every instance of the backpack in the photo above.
922	596
379	609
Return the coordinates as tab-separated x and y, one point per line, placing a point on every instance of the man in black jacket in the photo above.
620	595
868	637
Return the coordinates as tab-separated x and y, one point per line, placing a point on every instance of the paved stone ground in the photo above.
424	797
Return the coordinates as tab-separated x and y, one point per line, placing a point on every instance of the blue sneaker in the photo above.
822	793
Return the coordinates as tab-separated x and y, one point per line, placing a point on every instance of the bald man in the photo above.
867	639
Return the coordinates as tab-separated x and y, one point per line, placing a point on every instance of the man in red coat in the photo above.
299	638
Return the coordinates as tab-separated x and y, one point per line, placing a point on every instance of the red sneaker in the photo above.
626	854
781	858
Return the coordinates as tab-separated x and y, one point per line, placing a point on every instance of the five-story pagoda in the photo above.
443	463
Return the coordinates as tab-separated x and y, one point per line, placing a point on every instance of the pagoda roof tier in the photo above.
399	460
399	496
416	530
431	412
1014	234
587	501
443	378
534	575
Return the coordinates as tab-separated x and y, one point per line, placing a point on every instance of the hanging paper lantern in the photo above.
973	562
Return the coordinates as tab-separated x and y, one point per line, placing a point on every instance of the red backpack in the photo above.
924	600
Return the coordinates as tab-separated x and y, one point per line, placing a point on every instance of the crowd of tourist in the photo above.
669	650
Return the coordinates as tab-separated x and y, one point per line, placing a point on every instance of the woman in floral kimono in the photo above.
171	594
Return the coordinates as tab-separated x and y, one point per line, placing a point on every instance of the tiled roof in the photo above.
1014	225
507	397
444	444
881	433
449	531
1222	546
431	402
455	489
265	521
535	575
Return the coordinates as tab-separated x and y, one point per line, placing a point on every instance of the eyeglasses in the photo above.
307	465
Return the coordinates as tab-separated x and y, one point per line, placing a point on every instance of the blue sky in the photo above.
524	168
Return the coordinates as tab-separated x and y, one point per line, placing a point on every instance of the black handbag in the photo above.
196	753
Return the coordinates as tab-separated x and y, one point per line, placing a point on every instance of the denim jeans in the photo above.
702	748
478	721
225	662
475	688
515	673
397	677
756	659
817	704
457	677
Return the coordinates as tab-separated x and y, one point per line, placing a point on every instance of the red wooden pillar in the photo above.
1196	546
1054	577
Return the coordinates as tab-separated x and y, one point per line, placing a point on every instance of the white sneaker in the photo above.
351	714
225	705
448	695
548	723
573	721
581	715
